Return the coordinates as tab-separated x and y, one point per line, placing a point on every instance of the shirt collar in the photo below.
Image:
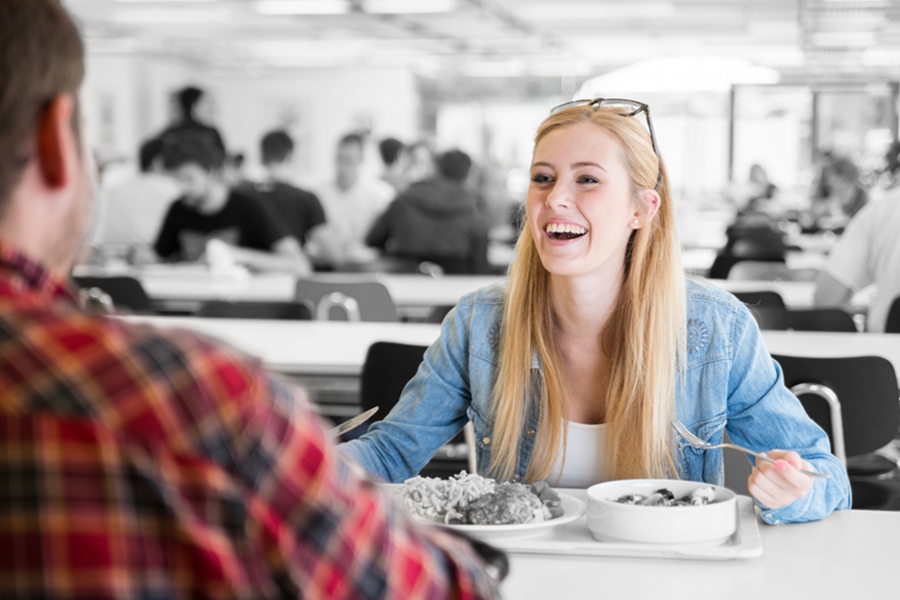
27	275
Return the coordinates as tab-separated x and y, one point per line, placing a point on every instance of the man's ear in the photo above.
56	142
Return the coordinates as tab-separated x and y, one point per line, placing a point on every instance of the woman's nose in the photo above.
560	196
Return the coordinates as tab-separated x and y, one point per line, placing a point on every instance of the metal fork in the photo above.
696	442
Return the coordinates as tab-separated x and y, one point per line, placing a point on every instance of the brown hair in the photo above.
41	57
645	338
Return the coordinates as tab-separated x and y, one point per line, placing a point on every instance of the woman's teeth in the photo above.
564	231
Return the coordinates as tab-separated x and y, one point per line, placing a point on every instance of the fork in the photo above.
696	442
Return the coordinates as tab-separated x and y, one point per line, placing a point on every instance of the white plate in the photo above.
573	508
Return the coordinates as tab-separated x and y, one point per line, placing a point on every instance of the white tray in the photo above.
575	539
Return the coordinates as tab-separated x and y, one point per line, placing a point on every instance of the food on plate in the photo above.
469	499
664	497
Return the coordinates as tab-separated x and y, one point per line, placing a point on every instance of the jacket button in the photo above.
486	441
530	431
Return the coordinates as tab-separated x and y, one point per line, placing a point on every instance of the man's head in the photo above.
276	148
188	98
197	166
348	160
392	151
42	164
150	155
454	165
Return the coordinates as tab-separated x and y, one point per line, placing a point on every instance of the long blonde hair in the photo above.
645	337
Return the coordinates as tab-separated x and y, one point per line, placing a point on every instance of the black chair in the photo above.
857	401
347	300
813	319
766	298
222	309
387	369
123	291
892	325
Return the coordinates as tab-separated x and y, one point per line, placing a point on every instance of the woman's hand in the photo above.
779	484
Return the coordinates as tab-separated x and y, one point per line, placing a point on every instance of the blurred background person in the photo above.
436	220
352	201
187	103
296	210
421	162
867	252
759	194
395	160
132	211
209	210
837	197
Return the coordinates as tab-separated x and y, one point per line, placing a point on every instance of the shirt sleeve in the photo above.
764	415
167	245
333	534
848	260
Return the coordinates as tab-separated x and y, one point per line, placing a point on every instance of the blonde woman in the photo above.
573	370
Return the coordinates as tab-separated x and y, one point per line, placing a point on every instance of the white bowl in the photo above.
610	521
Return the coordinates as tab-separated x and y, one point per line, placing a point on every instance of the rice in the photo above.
443	500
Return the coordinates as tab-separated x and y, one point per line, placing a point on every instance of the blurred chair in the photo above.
755	270
812	319
223	309
892	325
347	300
124	292
857	402
757	242
387	369
765	298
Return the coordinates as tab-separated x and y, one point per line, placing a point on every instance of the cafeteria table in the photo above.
339	347
850	554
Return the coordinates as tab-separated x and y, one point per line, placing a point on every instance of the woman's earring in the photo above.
636	222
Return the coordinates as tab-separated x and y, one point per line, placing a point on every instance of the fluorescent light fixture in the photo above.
163	16
845	39
302	7
408	6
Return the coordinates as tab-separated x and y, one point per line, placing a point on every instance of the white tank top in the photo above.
584	457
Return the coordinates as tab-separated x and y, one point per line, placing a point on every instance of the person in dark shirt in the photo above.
209	210
188	123
297	211
436	220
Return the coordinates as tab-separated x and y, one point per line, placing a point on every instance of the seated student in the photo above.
573	369
209	210
298	211
436	220
395	158
142	463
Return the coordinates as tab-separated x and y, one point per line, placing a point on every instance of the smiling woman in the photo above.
591	360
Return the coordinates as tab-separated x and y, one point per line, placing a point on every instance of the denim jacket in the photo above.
730	384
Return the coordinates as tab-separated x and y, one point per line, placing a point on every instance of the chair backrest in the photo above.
811	319
892	325
222	309
124	291
765	298
866	387
372	299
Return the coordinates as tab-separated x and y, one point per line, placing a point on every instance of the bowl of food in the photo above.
661	511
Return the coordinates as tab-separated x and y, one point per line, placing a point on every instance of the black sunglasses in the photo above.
627	108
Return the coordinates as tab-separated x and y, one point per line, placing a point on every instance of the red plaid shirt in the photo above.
146	465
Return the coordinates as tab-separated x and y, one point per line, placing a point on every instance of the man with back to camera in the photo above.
436	220
209	210
867	252
138	463
352	201
297	210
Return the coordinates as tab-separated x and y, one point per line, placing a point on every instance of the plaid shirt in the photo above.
141	465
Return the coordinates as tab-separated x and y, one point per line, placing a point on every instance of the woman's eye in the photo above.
541	178
587	179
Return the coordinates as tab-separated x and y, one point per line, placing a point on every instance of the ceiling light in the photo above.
408	6
302	7
163	16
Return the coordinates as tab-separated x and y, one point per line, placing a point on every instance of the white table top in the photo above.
850	554
339	347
